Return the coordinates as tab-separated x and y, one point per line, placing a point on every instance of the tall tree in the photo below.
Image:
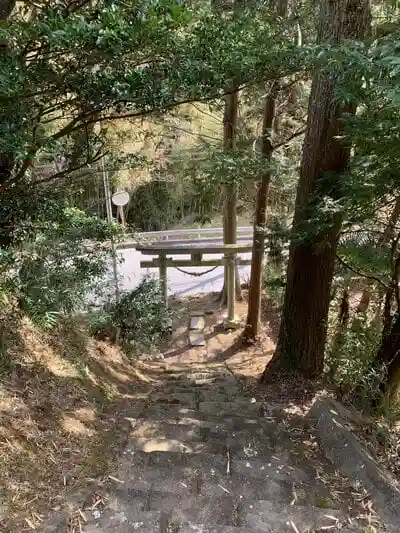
76	63
385	238
6	8
260	217
325	160
230	190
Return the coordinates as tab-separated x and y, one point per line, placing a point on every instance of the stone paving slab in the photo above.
197	323
177	414
182	473
265	515
169	471
245	407
196	338
200	528
262	470
229	488
257	517
183	399
200	376
197	436
180	507
123	521
197	312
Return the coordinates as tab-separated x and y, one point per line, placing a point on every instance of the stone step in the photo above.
189	507
180	473
269	413
216	495
183	398
156	522
196	436
116	520
198	376
262	516
213	410
194	396
238	407
265	515
197	322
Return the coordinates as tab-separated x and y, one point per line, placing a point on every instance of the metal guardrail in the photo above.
244	233
167	234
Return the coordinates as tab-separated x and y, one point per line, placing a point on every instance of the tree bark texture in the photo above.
230	208
302	335
6	8
6	162
230	190
387	236
260	220
389	357
229	219
252	329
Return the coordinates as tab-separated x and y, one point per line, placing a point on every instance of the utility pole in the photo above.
107	193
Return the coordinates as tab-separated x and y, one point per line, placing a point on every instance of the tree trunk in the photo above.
6	8
387	236
302	335
6	161
252	329
388	356
230	192
256	274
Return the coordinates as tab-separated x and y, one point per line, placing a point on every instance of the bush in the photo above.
56	265
156	205
349	365
139	315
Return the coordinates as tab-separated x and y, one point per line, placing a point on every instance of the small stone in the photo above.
197	323
198	312
197	339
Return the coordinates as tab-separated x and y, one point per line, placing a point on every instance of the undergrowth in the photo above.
351	372
139	319
63	396
349	365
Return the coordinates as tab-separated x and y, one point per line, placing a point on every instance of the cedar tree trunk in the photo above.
302	335
256	274
230	198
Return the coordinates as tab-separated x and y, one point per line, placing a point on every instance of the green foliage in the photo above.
276	255
66	68
139	315
350	368
51	268
158	205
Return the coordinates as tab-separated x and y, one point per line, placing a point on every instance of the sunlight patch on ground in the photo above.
75	426
86	414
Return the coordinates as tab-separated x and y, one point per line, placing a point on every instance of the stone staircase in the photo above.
204	456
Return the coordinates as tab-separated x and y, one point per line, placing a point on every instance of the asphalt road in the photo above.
179	284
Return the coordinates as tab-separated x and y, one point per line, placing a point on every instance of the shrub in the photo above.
52	270
350	368
139	315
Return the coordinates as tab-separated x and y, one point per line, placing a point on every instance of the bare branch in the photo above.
290	138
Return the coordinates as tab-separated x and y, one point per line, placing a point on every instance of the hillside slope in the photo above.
62	401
